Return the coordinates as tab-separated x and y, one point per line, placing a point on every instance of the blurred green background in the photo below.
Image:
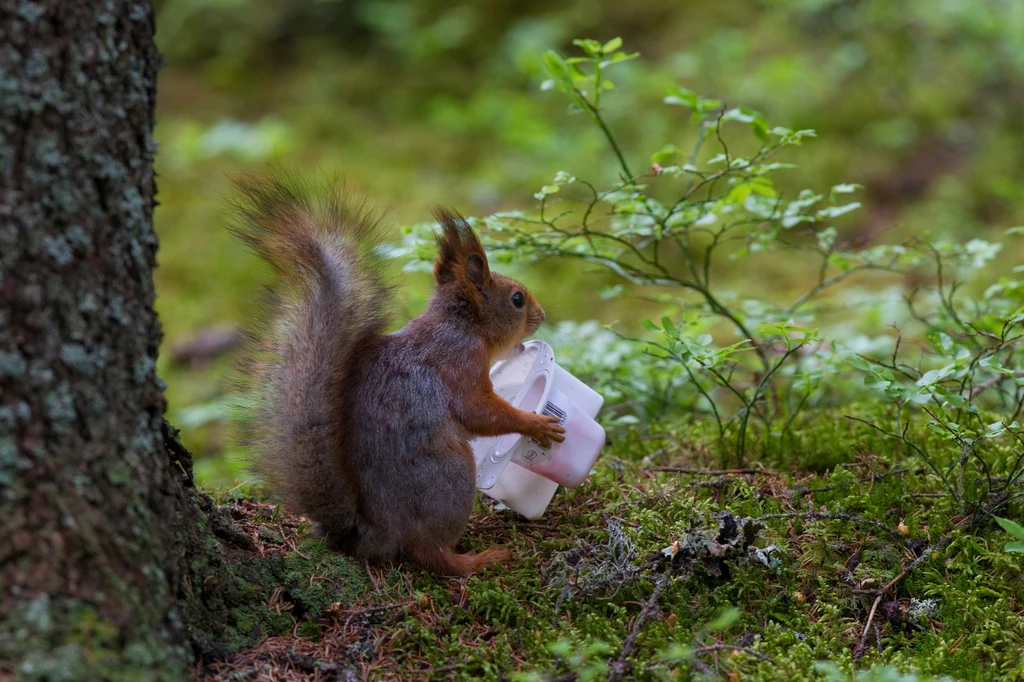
417	102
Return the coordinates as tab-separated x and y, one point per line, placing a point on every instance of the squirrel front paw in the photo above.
546	429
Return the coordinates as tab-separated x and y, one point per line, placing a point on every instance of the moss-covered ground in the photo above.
832	555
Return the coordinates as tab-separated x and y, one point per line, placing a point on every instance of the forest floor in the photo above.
839	555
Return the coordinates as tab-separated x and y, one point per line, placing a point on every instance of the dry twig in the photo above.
621	666
859	651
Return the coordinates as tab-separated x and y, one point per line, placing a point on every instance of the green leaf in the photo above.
873	381
669	326
591	47
741	114
682	97
708	104
836	211
666	154
943	342
1017	547
840	261
616	58
675	652
724	620
557	67
1011	527
561	648
847	188
859	363
611	292
826	238
738	193
934	375
831	671
611	45
921	398
650	326
752	118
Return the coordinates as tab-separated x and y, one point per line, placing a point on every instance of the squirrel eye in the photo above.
518	300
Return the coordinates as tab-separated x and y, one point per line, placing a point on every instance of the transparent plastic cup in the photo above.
516	470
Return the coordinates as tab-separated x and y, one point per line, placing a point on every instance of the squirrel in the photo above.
362	431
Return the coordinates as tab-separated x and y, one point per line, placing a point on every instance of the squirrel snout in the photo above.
535	320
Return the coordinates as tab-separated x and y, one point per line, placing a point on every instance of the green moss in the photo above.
237	602
494	605
270	536
317	577
308	629
957	614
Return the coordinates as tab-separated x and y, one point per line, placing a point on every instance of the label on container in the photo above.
532	453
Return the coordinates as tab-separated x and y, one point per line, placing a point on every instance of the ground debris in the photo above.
602	569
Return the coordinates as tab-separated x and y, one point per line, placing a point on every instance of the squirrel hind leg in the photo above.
444	561
491	556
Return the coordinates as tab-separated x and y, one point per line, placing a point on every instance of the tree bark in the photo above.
97	520
113	565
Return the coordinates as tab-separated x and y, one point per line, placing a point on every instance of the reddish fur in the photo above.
487	414
326	448
444	561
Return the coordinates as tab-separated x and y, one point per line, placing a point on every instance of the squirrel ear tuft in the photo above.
459	252
475	270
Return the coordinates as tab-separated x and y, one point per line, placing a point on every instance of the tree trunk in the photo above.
96	519
111	561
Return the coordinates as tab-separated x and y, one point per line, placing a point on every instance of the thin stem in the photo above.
920	452
599	120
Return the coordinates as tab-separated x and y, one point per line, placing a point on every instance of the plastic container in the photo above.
523	491
570	462
515	470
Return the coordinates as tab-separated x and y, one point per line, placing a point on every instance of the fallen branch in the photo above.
620	667
801	490
710	649
858	652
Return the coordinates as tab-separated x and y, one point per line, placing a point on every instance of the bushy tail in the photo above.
333	299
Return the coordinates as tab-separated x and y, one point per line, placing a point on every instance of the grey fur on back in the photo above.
331	299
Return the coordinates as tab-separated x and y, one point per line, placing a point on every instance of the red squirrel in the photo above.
366	432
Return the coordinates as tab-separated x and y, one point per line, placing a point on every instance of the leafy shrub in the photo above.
752	364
